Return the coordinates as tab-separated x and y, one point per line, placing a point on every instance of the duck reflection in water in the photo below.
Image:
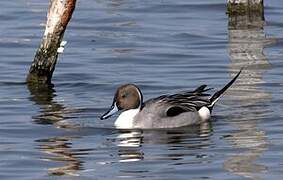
130	143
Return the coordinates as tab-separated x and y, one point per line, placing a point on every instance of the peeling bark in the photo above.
43	65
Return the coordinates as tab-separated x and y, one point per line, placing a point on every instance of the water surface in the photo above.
164	47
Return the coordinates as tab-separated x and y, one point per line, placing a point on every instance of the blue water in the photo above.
164	47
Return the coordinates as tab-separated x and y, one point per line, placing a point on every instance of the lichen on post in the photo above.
43	65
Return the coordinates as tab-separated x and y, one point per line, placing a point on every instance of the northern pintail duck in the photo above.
166	111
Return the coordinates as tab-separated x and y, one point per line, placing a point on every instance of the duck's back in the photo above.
158	113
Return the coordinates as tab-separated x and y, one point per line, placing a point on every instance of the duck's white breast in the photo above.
126	119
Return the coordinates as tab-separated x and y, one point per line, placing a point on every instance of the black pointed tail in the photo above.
216	96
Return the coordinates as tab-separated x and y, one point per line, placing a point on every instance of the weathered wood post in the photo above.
245	7
43	66
245	13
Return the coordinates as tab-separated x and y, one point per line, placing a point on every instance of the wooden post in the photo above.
43	66
245	6
245	13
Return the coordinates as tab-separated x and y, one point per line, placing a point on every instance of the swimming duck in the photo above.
166	111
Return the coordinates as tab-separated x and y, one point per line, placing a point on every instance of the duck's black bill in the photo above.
110	112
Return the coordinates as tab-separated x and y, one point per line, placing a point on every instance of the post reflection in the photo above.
60	151
50	110
57	150
246	44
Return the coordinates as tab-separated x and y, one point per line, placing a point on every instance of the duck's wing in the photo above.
175	104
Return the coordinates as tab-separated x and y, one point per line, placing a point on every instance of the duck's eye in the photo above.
124	96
